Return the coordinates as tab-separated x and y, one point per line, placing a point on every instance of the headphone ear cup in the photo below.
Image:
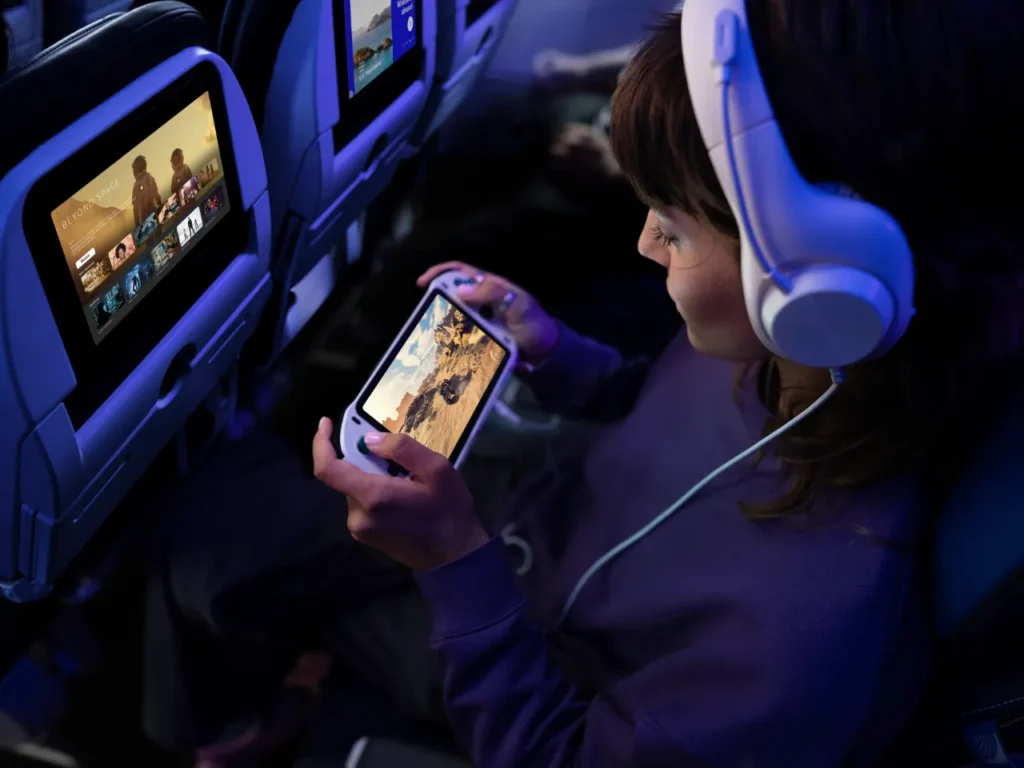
831	317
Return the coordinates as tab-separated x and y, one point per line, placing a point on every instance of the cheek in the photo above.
709	296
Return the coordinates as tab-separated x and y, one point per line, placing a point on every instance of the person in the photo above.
778	617
182	174
120	253
145	194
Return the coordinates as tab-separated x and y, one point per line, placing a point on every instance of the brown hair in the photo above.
900	101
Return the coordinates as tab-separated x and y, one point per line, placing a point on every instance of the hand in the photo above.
534	330
423	521
585	153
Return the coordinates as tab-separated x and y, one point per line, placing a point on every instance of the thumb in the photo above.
421	462
332	471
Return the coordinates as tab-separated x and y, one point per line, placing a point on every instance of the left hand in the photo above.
585	154
423	521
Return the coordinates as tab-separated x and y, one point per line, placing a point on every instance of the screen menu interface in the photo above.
126	229
434	385
380	32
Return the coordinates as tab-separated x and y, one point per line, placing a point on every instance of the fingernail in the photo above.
324	422
373	438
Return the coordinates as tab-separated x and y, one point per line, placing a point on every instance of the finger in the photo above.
449	266
491	291
342	476
415	457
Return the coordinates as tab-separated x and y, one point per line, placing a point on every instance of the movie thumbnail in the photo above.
213	203
146	230
93	277
108	306
121	252
209	172
164	251
189	191
137	277
190	227
171	207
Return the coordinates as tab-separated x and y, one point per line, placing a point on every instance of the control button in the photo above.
460	281
396	470
362	447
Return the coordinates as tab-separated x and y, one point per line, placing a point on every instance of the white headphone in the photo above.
828	278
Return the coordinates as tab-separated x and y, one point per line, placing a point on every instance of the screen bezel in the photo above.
475	10
100	367
358	112
385	364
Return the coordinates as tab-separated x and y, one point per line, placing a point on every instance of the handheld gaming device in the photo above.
436	383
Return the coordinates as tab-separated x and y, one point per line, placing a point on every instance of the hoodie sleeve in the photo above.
739	693
509	703
584	379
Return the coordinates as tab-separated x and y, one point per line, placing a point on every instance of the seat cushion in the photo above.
83	70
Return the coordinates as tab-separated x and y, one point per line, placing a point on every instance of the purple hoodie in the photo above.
714	640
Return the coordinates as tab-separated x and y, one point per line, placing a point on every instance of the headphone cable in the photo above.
838	376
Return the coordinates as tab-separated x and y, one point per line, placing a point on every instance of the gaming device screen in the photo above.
380	32
127	229
433	388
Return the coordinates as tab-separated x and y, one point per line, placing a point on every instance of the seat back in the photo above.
468	35
24	31
337	92
128	283
979	593
98	9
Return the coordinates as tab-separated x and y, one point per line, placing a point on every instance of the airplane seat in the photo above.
979	595
337	95
211	10
468	35
24	20
134	263
5	46
98	9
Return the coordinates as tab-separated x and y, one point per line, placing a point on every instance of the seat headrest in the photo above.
83	70
211	10
980	534
250	39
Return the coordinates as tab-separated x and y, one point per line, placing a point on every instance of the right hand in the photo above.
534	330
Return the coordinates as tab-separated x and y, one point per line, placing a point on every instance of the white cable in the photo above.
618	549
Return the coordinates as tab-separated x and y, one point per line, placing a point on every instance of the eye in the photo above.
663	237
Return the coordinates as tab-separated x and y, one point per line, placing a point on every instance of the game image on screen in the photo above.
379	33
121	230
432	388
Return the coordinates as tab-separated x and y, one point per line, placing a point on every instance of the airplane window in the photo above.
127	215
380	55
478	8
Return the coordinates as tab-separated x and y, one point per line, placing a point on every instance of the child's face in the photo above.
704	282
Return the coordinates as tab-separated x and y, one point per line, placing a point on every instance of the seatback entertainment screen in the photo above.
380	32
126	229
